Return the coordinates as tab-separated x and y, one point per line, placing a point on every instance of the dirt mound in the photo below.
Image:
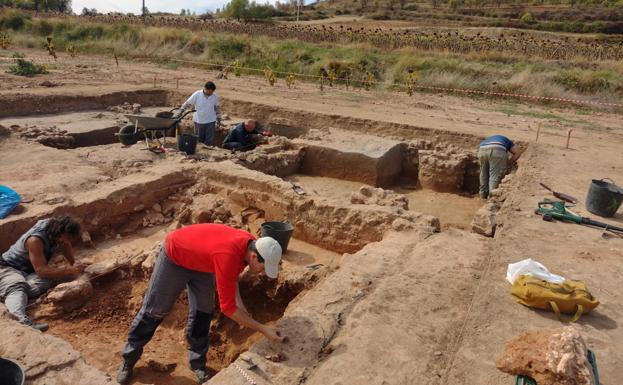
48	136
551	357
205	209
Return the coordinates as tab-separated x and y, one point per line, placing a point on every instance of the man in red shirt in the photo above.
195	257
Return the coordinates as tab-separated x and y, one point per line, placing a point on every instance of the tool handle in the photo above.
565	197
545	187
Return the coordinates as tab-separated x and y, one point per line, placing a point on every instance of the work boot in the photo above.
202	375
124	374
41	327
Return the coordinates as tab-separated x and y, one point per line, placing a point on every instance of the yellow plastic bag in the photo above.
569	297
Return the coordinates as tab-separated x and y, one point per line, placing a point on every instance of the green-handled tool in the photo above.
556	210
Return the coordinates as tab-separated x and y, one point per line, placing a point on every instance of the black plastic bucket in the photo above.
187	143
10	372
604	198
279	231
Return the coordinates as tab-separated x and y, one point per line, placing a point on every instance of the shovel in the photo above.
559	195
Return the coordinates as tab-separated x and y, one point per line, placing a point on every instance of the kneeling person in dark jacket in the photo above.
243	137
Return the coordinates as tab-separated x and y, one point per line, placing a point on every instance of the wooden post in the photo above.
177	82
155	79
538	131
569	136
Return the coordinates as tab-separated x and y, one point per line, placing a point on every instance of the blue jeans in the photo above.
166	283
205	132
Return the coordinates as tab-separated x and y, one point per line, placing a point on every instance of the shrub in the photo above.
527	18
85	32
13	20
5	41
42	27
228	48
195	45
24	67
379	16
585	81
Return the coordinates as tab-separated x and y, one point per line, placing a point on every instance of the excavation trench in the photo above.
96	322
79	128
340	191
126	225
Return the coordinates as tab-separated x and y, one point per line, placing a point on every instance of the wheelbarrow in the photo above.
152	128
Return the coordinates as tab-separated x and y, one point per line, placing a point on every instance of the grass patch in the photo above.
487	71
514	110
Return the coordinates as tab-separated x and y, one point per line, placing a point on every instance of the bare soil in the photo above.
395	300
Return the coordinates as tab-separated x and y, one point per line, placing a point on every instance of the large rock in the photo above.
377	196
549	356
71	295
47	360
101	268
484	219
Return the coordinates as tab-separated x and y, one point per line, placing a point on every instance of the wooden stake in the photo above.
569	136
155	78
538	131
177	82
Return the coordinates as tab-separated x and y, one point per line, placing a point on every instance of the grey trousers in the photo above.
205	132
16	287
166	283
493	165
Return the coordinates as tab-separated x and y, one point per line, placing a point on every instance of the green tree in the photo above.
236	9
260	11
242	9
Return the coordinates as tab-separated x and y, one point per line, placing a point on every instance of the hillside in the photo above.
581	17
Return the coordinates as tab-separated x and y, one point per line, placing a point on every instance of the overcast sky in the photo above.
134	6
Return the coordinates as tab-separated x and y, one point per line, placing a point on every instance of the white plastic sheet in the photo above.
533	269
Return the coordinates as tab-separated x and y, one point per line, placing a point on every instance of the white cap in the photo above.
270	251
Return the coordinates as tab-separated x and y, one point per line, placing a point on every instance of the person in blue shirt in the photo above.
243	137
494	161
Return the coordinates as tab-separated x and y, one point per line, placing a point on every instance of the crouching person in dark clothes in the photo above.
24	270
243	137
200	257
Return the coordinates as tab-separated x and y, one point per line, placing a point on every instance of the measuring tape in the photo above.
245	374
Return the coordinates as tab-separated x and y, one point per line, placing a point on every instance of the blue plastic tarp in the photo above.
8	200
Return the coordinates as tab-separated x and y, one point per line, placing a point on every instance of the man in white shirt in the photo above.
208	112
